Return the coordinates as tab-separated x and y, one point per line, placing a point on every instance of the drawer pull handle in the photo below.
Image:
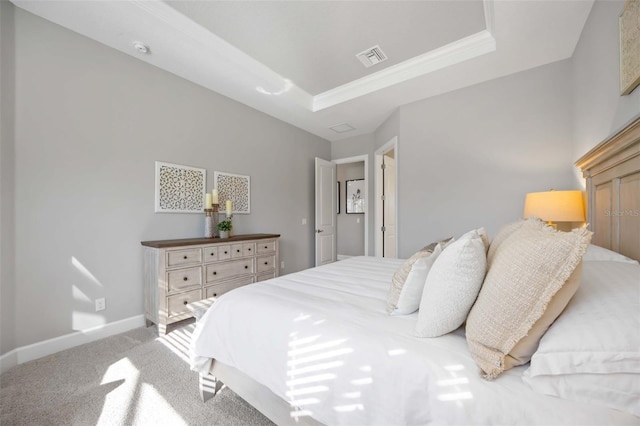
185	278
213	254
266	263
249	249
185	257
246	266
225	252
215	273
237	251
265	247
215	294
185	302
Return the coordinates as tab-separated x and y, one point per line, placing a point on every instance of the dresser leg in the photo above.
162	329
148	322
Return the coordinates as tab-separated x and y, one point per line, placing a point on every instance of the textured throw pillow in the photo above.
408	281
525	348
528	269
452	286
504	233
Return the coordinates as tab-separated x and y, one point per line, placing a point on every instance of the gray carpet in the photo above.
134	378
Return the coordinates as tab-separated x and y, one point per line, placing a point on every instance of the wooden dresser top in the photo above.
196	241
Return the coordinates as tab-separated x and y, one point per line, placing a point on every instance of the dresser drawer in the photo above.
183	257
236	251
266	263
222	288
180	279
267	246
249	249
266	276
224	252
210	254
224	270
177	304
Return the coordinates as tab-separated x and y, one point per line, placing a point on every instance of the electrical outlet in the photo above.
101	304
304	220
282	265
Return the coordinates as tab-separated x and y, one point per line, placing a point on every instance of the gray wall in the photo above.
467	158
90	123
350	230
7	179
598	108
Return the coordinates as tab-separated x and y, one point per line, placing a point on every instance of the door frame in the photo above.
379	153
357	159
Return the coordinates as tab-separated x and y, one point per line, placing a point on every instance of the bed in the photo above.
317	346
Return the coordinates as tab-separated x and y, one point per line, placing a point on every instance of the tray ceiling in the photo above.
295	60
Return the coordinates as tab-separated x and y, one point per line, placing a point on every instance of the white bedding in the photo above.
321	339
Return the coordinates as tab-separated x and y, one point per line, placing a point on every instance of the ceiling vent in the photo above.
370	57
342	128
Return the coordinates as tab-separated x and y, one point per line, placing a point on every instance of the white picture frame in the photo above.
236	188
179	189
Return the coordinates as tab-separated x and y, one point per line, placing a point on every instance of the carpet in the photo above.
134	378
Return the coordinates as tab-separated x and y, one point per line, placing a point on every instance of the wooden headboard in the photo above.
612	171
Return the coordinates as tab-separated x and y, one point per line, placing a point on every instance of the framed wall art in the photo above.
236	188
179	189
629	47
354	196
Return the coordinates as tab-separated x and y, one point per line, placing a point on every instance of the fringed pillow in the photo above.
528	268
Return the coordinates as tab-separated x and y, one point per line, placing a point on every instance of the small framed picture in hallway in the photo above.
354	196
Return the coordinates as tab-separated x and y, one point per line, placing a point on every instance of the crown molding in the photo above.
453	53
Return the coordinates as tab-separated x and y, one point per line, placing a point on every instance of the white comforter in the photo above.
321	339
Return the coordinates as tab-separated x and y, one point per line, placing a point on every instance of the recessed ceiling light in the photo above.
142	48
342	128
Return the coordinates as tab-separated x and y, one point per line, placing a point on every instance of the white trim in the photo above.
357	159
453	53
343	256
377	190
47	347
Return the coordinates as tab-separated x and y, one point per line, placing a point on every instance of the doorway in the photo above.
352	231
386	200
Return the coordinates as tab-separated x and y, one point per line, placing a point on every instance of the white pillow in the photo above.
597	253
619	391
452	286
597	336
411	293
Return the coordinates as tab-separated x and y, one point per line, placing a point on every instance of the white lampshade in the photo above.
555	206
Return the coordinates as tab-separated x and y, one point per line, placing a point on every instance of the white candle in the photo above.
207	201
214	196
229	207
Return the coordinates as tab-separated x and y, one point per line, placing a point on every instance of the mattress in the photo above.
321	339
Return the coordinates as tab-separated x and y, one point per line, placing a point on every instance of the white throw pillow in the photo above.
452	286
599	254
411	293
592	351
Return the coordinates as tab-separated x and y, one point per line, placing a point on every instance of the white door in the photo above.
389	234
325	212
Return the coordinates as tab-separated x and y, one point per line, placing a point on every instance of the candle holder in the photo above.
208	223
215	216
229	218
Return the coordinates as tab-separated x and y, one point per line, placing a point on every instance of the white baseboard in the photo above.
343	256
47	347
8	360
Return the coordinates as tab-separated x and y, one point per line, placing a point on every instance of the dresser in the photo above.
179	272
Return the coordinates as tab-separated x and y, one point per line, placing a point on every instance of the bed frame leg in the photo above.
209	386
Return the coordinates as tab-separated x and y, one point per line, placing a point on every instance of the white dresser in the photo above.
178	272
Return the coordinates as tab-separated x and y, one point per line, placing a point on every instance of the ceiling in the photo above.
295	60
